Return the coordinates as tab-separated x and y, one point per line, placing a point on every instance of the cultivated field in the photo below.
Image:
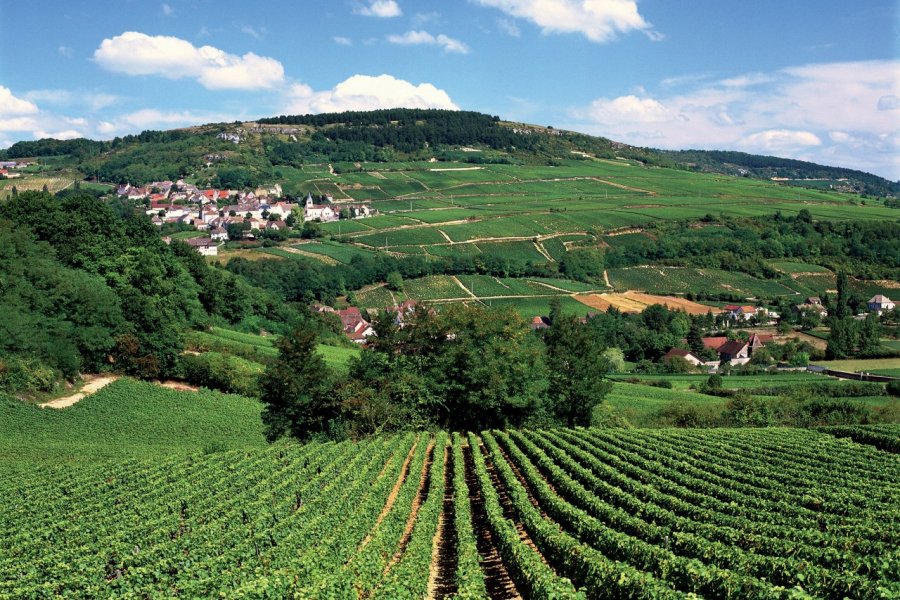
635	302
560	513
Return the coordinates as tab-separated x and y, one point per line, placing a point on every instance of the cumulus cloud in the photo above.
11	105
342	41
379	8
412	38
364	92
630	109
598	20
837	113
135	53
779	140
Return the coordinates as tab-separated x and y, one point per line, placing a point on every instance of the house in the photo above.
354	325
6	173
758	340
282	209
714	343
277	225
812	303
685	355
204	245
735	352
321	212
879	304
137	193
219	234
539	323
200	224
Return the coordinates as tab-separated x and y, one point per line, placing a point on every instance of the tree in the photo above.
295	390
394	281
842	339
841	304
869	334
576	371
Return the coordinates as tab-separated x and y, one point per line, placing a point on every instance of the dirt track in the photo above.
94	384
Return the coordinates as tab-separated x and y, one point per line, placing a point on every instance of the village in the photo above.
233	214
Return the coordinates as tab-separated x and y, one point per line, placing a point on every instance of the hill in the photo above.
246	154
784	170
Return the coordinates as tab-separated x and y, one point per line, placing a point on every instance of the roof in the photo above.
679	353
733	347
714	343
879	299
759	339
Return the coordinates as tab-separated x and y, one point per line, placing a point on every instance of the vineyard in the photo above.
771	513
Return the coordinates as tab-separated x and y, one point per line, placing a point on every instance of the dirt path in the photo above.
444	562
178	386
94	384
497	580
420	499
606	278
392	497
540	248
464	288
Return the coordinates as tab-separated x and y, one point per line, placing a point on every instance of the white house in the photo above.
219	234
879	304
322	212
204	245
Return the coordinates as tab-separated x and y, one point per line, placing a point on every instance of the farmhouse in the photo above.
735	352
355	326
879	304
685	355
204	245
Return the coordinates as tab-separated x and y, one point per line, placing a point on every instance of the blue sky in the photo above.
810	79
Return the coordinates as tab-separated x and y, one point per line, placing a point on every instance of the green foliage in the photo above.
294	389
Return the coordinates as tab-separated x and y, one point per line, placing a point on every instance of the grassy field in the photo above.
882	366
639	404
128	419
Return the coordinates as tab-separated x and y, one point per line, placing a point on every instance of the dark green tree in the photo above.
842	339
577	370
295	390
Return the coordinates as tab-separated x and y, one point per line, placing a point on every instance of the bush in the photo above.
222	372
687	414
893	387
25	374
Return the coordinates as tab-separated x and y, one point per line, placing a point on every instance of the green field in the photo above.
202	508
682	280
128	420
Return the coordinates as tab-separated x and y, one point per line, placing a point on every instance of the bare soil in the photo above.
497	580
94	383
420	499
442	575
392	497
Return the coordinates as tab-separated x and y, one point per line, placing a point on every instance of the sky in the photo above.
815	80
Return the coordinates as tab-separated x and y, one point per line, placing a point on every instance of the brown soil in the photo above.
93	383
442	575
418	501
496	578
506	503
178	386
392	497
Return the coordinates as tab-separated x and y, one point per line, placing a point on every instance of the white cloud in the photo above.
364	92
508	27
66	134
65	51
254	32
379	8
134	53
342	41
420	19
167	10
93	101
412	38
10	105
835	113
779	141
630	109
597	20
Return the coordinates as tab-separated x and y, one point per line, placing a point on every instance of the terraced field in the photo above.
561	513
